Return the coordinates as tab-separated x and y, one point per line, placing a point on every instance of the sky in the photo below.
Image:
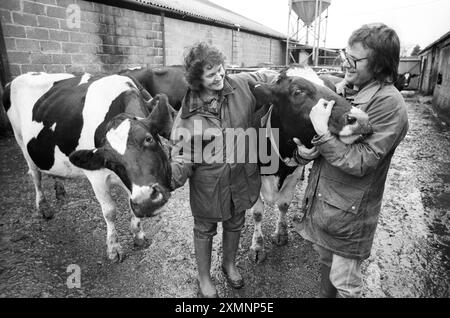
415	21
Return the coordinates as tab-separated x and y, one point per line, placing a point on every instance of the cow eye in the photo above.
298	92
351	120
148	139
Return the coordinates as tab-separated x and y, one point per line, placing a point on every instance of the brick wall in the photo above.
41	35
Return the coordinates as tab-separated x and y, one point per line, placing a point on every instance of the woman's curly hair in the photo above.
384	43
197	57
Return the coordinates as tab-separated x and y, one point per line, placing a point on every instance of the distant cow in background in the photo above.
98	127
403	80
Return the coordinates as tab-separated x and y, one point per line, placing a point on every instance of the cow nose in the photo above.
148	203
152	193
156	195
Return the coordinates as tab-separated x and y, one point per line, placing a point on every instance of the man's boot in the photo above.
327	290
203	248
230	244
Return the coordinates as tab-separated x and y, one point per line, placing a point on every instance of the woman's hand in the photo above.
306	153
302	155
320	114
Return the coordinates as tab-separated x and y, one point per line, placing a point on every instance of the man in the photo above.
346	183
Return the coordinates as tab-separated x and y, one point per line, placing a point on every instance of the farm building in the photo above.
107	36
435	79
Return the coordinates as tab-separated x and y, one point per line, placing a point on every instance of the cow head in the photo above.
293	98
132	148
403	80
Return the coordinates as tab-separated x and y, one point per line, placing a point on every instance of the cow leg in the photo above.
280	236
139	237
257	252
286	194
43	208
101	186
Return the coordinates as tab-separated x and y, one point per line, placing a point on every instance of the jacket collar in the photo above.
192	104
367	93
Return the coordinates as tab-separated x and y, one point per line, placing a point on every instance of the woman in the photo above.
220	190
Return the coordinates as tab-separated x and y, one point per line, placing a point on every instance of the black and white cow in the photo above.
169	80
297	90
96	127
403	80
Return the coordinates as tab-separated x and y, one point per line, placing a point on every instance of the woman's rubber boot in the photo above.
230	244
203	249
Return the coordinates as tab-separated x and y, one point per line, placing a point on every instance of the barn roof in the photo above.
441	39
210	12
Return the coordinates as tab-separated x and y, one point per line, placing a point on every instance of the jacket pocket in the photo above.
337	208
205	197
341	195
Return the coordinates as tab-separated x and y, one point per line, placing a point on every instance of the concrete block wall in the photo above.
256	50
278	55
248	49
180	35
38	37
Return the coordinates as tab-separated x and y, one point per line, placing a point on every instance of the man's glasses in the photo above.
350	59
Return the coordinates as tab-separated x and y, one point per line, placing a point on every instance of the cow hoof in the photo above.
141	242
280	239
46	210
257	256
36	215
60	192
115	254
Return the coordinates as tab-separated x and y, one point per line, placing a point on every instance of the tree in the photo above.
416	50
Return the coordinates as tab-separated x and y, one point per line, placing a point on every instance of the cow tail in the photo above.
6	96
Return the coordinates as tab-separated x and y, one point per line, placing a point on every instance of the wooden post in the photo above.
288	32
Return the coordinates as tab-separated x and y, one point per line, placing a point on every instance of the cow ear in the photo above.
262	93
93	159
151	104
161	119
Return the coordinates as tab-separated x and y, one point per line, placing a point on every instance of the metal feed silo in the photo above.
309	12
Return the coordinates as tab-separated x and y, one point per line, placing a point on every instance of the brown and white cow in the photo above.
290	100
98	127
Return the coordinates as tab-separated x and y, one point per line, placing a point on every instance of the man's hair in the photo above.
197	57
384	44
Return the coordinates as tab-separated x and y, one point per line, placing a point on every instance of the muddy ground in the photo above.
410	257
